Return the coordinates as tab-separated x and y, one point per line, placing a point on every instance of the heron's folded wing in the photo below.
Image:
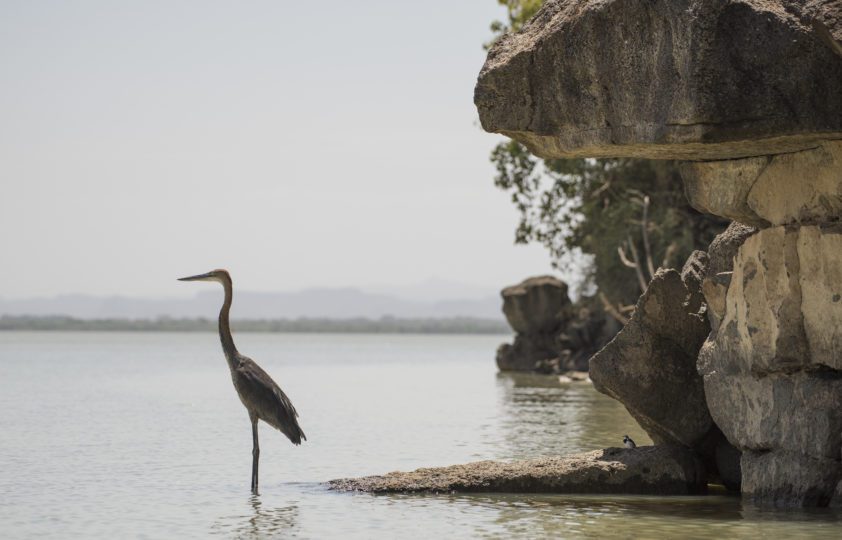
267	398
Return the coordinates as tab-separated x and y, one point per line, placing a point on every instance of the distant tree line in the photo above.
383	325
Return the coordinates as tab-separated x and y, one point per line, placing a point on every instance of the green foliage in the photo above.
595	206
519	11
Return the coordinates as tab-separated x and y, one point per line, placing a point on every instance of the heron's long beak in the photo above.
201	277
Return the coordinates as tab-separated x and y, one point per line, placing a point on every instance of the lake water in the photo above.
112	435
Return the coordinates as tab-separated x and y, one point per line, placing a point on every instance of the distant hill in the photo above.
336	303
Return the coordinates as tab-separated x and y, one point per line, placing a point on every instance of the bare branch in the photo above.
602	188
624	259
645	229
611	310
671	249
638	268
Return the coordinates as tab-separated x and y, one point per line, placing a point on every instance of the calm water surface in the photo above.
142	436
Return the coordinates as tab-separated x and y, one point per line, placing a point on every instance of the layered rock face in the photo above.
749	92
552	334
772	365
670	79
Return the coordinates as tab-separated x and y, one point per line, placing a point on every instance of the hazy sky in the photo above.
299	144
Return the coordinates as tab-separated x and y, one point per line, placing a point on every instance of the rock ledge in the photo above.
650	470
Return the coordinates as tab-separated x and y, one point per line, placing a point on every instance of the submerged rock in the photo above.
649	470
784	478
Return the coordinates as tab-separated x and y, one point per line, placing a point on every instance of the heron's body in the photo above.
628	442
260	395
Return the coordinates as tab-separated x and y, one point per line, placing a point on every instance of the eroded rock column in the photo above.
772	365
536	309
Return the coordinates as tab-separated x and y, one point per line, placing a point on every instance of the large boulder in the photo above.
650	470
528	352
552	334
536	309
650	367
537	305
783	308
667	79
721	253
790	479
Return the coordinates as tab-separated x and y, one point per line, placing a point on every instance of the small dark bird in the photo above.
262	397
628	442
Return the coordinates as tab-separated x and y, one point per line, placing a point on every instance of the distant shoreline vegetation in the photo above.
383	325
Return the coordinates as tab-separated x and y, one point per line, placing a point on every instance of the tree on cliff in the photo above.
627	216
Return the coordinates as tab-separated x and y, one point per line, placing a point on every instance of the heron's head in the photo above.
218	275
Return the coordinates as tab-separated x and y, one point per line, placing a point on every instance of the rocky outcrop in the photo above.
536	309
721	253
650	470
553	335
747	90
760	191
538	305
667	79
772	368
650	367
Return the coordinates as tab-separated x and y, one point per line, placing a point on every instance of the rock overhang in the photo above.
668	79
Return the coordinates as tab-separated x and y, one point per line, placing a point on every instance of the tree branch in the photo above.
638	268
624	259
611	310
644	225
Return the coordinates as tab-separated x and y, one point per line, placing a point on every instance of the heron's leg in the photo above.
255	455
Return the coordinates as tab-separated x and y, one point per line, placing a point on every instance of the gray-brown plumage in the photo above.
262	397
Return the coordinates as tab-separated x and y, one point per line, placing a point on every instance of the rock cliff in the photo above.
748	93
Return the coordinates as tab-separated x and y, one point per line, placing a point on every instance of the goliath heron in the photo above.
262	397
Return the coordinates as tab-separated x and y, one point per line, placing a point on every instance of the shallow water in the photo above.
142	436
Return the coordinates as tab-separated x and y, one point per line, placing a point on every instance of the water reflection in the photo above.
633	516
539	415
262	522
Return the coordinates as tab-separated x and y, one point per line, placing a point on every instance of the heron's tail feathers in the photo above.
297	436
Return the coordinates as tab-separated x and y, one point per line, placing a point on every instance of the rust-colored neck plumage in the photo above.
224	326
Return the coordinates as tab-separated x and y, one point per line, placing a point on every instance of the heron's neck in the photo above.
224	327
